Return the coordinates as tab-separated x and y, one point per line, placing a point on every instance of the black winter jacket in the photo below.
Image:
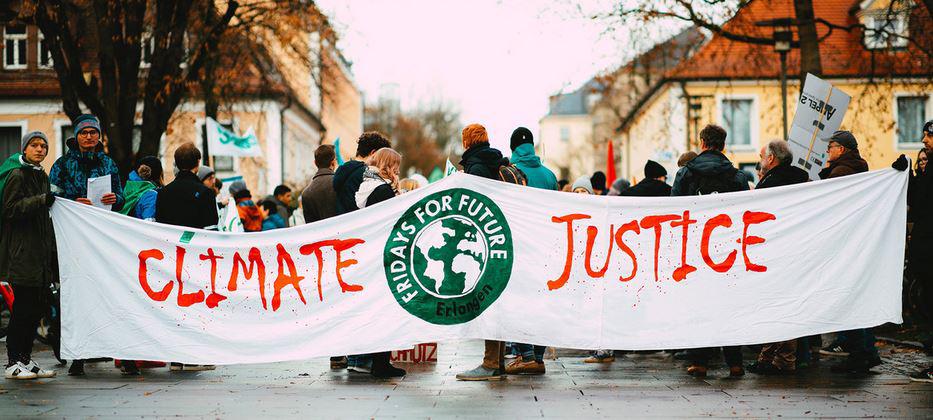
711	165
648	188
482	160
28	256
186	202
347	182
781	175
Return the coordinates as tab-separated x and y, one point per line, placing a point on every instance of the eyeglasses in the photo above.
831	146
87	133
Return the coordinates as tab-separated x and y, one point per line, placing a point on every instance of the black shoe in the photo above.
77	368
338	362
383	369
764	369
856	365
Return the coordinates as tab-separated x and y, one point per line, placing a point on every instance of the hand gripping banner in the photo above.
471	258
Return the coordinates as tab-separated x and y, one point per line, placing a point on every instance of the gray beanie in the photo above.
237	187
845	139
582	182
29	136
204	172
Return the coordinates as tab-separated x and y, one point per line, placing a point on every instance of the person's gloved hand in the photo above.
901	163
49	199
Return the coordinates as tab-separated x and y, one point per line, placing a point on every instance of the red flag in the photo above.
610	166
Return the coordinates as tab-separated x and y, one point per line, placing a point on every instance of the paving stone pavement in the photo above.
636	385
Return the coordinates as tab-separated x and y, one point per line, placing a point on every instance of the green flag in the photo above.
436	175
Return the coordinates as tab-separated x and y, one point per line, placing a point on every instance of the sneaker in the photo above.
923	376
338	362
481	374
19	371
696	371
519	367
77	368
129	369
366	367
835	351
41	373
598	359
176	367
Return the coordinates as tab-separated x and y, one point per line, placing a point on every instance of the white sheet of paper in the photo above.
97	188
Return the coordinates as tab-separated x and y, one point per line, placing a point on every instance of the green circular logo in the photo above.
449	257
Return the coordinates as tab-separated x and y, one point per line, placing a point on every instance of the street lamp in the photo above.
783	37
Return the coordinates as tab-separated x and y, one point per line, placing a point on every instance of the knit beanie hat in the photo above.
845	139
238	189
204	172
582	182
474	134
154	165
654	170
32	135
520	136
928	128
598	180
86	121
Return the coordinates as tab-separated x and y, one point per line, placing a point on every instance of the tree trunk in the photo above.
809	40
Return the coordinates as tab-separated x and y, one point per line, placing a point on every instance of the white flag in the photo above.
223	142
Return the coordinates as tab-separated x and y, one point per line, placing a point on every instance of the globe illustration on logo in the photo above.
449	256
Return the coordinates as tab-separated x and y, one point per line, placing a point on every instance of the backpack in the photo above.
511	174
720	183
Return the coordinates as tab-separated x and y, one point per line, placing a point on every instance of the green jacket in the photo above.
538	176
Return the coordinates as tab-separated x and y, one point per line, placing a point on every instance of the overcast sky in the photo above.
497	61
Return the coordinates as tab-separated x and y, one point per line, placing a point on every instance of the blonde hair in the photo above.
388	162
409	184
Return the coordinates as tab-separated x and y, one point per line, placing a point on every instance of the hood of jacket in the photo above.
347	171
524	155
711	163
481	154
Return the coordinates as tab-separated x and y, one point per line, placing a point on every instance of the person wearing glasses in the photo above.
85	159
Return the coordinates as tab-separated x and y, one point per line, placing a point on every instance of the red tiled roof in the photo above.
842	53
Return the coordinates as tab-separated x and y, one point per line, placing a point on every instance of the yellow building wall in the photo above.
575	157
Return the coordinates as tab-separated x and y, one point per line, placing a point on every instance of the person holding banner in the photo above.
85	160
920	200
28	255
186	201
844	159
776	158
711	172
531	359
483	161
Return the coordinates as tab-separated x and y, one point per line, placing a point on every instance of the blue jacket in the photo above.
274	221
538	176
146	206
70	173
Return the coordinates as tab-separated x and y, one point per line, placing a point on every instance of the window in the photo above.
45	55
911	115
737	120
883	32
565	134
14	47
10	138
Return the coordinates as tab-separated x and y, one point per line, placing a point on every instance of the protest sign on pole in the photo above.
223	142
820	110
468	257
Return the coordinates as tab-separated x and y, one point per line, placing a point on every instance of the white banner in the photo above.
472	258
820	110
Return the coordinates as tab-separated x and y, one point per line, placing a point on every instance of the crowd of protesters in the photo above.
28	259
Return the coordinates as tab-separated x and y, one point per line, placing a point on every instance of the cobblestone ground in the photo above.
636	385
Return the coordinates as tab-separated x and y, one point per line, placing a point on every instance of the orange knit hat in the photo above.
473	134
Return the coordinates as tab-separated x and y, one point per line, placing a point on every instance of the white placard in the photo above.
820	110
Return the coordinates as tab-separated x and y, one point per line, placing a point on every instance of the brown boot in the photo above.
519	367
697	371
736	371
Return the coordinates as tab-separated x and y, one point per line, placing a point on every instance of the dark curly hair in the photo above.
370	142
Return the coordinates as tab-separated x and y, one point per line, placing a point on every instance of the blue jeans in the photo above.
360	360
531	352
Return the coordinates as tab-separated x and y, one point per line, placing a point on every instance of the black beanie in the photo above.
520	136
654	170
598	180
